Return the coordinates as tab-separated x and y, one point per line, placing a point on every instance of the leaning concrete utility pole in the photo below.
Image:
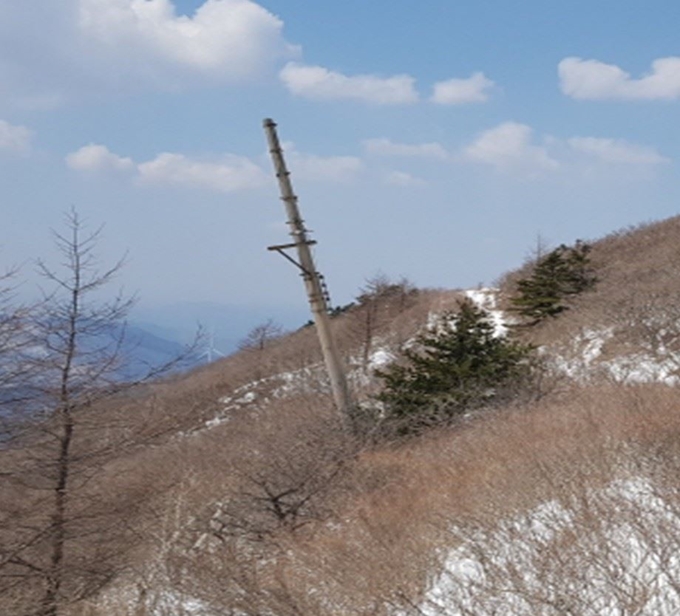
312	279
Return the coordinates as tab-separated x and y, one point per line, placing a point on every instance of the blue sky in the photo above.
432	140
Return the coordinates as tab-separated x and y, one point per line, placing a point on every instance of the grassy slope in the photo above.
275	510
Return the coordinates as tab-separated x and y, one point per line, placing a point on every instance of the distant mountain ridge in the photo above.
143	351
226	324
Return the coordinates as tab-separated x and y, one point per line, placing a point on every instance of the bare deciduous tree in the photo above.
261	336
61	533
379	301
14	338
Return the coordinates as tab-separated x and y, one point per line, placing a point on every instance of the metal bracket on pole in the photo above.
281	249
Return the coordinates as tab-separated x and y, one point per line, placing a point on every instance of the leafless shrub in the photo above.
248	489
261	336
283	473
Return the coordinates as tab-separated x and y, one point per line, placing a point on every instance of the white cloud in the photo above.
474	89
313	168
512	147
595	80
58	51
318	83
224	38
16	139
508	147
617	151
228	174
386	147
328	169
224	173
401	178
95	157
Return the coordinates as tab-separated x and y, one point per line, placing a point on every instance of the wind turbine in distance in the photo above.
210	350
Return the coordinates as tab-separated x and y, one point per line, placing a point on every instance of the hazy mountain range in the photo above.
159	332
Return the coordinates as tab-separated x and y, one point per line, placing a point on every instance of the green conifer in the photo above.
458	365
563	272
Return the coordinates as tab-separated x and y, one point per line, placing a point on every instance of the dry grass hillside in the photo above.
627	329
237	490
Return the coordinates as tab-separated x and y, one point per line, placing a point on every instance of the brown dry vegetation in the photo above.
236	490
637	295
374	526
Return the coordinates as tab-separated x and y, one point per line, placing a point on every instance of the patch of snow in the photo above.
256	394
582	359
607	552
379	358
432	320
487	300
247	398
156	601
215	421
578	359
642	368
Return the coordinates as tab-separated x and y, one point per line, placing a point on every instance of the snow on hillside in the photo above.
594	552
584	357
604	553
581	358
261	392
487	300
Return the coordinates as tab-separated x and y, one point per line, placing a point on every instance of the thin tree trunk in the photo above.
50	603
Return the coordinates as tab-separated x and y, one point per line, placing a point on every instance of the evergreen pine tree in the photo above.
563	272
459	365
580	276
